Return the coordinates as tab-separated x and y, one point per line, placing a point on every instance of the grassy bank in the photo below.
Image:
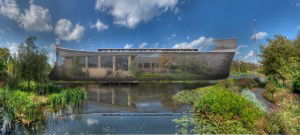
220	110
29	107
225	108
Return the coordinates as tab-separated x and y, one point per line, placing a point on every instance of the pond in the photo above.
138	109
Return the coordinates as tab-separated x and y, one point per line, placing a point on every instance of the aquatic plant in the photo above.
66	97
21	105
185	97
28	107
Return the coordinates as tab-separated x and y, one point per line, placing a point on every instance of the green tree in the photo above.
31	62
280	58
4	58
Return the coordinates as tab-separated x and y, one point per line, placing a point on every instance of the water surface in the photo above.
139	109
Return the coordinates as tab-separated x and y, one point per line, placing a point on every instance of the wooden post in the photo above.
114	63
129	61
86	62
99	61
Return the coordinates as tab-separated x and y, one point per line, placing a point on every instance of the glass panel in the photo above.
122	63
106	61
93	61
146	65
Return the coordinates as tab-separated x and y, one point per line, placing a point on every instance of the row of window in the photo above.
148	65
106	62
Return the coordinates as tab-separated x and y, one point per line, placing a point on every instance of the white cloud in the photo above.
129	13
99	26
10	9
143	45
202	41
12	46
249	55
260	35
128	46
65	30
238	49
35	18
171	37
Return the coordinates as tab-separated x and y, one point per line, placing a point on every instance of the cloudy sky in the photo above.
93	24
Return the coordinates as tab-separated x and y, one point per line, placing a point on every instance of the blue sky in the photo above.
93	24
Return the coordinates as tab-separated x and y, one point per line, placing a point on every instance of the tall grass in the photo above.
219	110
28	107
66	97
21	106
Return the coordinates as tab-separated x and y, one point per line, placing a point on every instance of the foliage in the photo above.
241	66
289	118
251	97
280	59
216	100
246	83
24	106
4	58
134	69
296	85
66	97
283	120
218	110
31	63
185	97
29	108
75	69
238	84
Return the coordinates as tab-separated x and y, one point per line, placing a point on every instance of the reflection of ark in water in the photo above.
145	64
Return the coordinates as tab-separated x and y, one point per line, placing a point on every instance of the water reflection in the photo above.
145	98
145	108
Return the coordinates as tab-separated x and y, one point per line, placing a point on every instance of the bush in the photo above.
21	105
296	85
219	110
288	117
246	83
229	105
185	97
230	85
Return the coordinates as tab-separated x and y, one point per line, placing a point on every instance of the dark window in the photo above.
122	63
146	65
93	61
81	61
106	61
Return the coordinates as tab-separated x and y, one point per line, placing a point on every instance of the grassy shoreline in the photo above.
28	107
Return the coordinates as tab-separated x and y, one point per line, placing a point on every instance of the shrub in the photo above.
270	91
185	97
246	83
296	85
284	120
229	105
289	118
221	111
230	85
21	105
